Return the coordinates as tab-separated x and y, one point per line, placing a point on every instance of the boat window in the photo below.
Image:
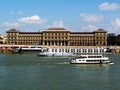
83	50
89	50
32	47
47	49
39	47
96	50
68	50
55	50
79	50
52	50
14	47
74	50
87	60
94	56
71	50
103	50
82	57
65	50
59	50
24	47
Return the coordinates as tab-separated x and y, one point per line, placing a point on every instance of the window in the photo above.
55	50
59	50
79	50
65	50
52	50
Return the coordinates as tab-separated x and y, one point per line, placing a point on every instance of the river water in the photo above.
30	72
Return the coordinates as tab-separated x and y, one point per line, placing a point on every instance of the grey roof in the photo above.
101	30
13	30
56	29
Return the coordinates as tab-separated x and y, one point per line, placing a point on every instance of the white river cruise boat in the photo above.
25	49
70	51
91	59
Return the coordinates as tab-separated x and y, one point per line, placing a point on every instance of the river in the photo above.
30	72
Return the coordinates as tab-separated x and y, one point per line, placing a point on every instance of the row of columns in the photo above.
59	43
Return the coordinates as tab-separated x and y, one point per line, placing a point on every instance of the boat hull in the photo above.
91	62
55	54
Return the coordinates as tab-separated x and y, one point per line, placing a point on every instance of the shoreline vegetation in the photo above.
4	48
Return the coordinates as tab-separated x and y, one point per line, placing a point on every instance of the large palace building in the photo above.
58	37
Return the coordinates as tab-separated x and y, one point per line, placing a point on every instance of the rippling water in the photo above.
30	72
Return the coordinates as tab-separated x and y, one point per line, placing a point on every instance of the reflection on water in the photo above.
29	72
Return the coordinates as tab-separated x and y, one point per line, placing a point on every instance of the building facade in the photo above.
58	37
2	39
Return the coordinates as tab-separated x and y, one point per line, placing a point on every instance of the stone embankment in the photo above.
117	49
5	48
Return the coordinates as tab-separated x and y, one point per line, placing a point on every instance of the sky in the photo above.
74	15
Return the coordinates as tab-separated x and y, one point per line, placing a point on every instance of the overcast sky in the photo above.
74	15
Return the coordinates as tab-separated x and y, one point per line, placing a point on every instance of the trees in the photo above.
111	39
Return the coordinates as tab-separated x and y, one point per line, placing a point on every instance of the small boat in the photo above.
91	59
14	49
110	51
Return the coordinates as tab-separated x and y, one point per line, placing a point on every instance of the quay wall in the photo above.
4	48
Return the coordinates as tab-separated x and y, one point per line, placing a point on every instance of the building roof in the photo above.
30	33
13	30
56	29
100	31
81	32
97	31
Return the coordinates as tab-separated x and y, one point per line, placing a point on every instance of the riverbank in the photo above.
4	48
